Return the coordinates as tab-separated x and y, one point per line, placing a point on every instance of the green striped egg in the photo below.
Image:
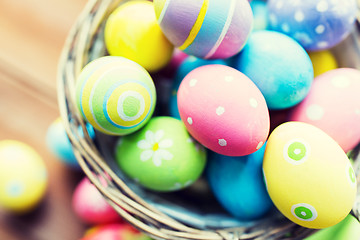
115	95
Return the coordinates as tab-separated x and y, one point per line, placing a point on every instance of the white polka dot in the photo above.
190	140
222	142
260	144
273	19
357	111
279	4
320	29
322	44
297	151
299	16
303	213
285	27
193	82
314	112
189	120
340	82
322	6
253	102
229	78
220	110
15	188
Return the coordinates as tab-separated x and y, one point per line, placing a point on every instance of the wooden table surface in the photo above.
32	33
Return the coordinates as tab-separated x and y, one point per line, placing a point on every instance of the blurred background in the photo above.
32	35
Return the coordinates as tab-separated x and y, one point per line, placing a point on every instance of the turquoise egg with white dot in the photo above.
189	64
59	144
316	25
238	184
23	177
279	66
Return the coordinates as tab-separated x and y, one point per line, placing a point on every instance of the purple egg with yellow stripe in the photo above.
207	29
115	95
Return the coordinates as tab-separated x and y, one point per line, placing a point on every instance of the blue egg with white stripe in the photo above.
207	29
189	64
279	66
316	25
238	184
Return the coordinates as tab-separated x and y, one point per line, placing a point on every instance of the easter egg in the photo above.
207	28
279	67
261	14
115	231
347	229
23	177
90	206
131	31
115	95
322	61
238	184
333	106
161	156
308	176
189	64
59	144
316	25
223	110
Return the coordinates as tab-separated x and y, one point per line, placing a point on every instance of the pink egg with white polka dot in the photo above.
223	110
91	207
333	105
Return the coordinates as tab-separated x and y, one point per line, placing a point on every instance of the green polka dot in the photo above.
303	213
296	151
131	106
352	175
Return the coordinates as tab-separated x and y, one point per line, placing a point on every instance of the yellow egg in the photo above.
132	31
308	176
322	61
23	176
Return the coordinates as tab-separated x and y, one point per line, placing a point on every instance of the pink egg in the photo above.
333	105
223	110
90	206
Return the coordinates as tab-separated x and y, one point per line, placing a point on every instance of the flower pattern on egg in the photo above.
155	147
296	151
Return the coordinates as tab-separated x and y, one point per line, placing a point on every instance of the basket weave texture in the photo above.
85	43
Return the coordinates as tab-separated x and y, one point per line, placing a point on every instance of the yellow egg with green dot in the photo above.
132	31
308	176
322	61
23	176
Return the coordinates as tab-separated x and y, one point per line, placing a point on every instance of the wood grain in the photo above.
32	35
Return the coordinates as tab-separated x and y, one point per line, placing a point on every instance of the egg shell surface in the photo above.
238	184
115	95
333	105
90	206
223	110
323	61
162	156
349	228
59	144
23	177
279	67
261	15
189	64
131	31
207	28
316	25
308	176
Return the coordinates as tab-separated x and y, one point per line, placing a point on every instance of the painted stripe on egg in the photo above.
183	23
224	30
197	26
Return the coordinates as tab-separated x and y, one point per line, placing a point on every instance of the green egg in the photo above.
162	156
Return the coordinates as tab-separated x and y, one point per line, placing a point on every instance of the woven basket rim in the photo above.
79	49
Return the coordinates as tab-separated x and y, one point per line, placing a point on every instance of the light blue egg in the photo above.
279	66
238	184
261	14
189	64
59	144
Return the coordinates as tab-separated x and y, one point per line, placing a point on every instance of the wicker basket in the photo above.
162	216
